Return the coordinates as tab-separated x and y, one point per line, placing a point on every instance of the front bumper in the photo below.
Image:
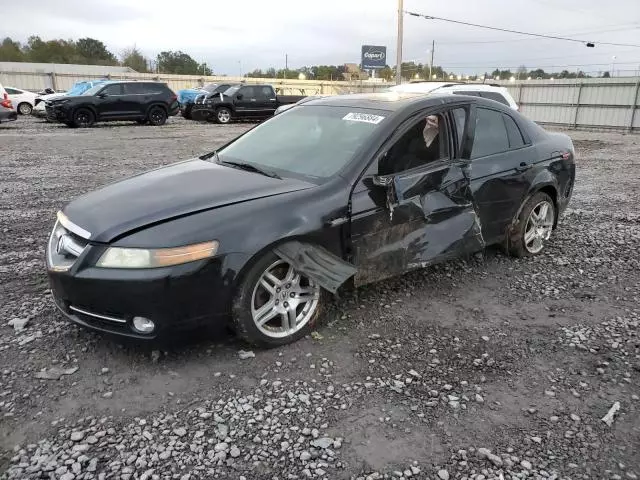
174	298
201	111
54	114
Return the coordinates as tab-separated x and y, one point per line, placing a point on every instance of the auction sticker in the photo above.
363	117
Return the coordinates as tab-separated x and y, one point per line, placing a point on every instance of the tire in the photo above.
223	115
83	118
534	226
25	108
157	116
187	112
285	283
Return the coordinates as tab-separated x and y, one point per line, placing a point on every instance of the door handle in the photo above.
253	100
523	167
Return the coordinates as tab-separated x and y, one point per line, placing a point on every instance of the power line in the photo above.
498	64
471	42
539	35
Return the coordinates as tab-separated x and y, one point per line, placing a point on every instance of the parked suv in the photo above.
144	102
490	91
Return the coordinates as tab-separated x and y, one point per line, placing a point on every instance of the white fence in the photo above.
595	103
598	103
63	81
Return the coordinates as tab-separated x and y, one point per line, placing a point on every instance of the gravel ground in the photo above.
484	368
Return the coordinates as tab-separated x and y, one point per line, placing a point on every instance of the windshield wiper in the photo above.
250	168
209	155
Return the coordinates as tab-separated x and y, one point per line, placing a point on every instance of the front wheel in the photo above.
276	304
157	116
223	115
83	118
25	108
534	226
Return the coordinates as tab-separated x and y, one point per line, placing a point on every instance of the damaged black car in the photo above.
347	189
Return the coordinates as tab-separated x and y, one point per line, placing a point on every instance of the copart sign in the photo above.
373	57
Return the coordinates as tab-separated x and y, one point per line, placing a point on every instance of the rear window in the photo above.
490	135
513	132
495	96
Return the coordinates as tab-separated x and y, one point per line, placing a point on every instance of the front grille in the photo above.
64	248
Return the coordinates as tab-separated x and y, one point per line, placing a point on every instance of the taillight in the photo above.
6	103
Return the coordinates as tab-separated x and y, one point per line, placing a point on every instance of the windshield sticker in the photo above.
363	117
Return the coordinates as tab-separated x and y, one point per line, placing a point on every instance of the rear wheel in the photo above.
25	108
83	118
223	115
276	304
157	116
534	226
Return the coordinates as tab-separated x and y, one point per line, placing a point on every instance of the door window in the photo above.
247	92
425	142
490	135
112	89
265	93
513	132
460	118
137	89
12	91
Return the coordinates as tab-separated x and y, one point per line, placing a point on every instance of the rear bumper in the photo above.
8	116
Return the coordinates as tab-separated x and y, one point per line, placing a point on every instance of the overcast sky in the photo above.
251	34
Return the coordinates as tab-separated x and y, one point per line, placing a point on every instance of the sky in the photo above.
234	38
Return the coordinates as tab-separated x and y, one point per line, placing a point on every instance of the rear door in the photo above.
502	161
414	207
136	98
266	100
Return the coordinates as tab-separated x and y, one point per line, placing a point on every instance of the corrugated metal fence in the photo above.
63	81
598	103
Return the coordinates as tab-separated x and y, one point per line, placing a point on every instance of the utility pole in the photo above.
286	65
433	47
399	44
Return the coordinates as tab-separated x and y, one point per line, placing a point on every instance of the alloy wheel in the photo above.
224	116
539	226
283	300
24	109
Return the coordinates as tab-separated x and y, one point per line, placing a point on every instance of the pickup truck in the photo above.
242	102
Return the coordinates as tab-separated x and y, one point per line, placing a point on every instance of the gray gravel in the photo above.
482	368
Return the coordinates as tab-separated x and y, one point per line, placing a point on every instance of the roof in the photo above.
390	101
62	68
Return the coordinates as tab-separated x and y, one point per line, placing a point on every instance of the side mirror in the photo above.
102	95
239	96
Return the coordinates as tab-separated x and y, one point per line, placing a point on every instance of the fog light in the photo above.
143	325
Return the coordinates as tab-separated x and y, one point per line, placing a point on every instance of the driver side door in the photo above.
246	101
110	101
414	206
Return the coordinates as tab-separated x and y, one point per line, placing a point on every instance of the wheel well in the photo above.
86	107
153	105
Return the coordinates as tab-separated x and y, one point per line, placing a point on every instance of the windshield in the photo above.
231	90
95	89
308	141
211	87
79	88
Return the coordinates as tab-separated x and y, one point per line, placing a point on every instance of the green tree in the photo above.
94	52
133	58
177	62
51	51
11	51
606	75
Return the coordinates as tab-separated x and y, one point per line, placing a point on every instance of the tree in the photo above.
51	51
177	62
133	58
94	52
11	51
538	73
521	72
606	75
385	73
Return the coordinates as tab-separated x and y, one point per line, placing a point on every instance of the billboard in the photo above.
373	57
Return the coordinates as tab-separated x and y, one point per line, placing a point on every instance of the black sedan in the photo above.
347	189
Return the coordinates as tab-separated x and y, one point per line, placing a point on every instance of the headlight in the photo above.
117	257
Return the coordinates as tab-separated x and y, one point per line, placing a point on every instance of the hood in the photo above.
169	192
51	96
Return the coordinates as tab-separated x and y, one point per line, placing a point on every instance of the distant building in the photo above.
63	68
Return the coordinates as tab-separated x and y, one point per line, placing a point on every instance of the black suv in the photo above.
144	102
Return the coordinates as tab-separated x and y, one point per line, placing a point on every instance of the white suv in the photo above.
492	92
